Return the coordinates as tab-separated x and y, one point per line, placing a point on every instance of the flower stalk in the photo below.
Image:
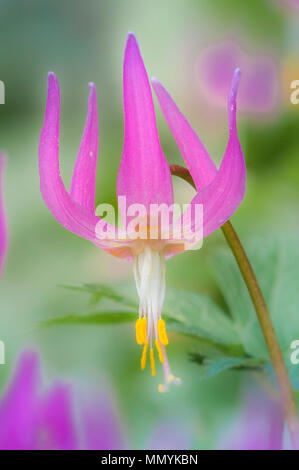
283	381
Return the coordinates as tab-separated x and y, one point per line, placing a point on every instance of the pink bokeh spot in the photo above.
259	88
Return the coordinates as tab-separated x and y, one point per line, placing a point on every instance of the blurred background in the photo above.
184	43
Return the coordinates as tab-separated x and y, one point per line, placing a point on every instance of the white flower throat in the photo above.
149	272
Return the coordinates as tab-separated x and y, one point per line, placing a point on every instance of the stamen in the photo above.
144	329
158	346
162	332
149	272
140	326
138	331
169	378
152	358
143	357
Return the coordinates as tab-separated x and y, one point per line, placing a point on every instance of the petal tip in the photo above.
92	89
29	358
51	76
237	75
132	43
157	86
131	36
236	79
52	80
155	81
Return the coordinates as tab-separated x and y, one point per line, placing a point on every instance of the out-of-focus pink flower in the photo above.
3	228
259	89
57	418
34	419
259	426
30	420
171	435
144	178
101	428
289	3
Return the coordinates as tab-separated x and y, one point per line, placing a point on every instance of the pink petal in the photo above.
56	420
196	157
100	423
83	183
18	407
259	425
73	216
223	196
3	227
144	176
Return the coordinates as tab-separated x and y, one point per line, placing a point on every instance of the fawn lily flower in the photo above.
144	179
56	418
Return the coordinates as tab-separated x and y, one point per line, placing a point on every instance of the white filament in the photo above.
149	272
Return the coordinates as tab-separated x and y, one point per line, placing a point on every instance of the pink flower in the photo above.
259	425
144	178
259	88
289	3
3	228
34	419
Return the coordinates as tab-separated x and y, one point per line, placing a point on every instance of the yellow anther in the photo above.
141	330
138	331
143	356
162	332
144	329
152	358
158	346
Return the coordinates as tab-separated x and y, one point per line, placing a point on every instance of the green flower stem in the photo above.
284	384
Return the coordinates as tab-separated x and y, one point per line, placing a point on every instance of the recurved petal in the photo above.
223	196
73	216
144	176
83	183
200	165
3	226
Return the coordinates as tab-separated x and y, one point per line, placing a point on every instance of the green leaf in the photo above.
213	366
276	264
188	313
200	316
225	341
97	318
100	291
